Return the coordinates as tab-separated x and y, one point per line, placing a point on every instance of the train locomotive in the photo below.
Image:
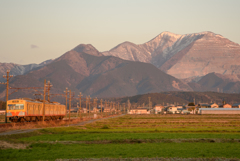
24	109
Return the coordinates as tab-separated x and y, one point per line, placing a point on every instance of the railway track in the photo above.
26	130
19	124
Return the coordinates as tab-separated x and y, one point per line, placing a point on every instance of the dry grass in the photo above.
7	145
231	122
151	159
40	124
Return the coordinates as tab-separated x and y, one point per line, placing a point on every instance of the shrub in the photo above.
105	127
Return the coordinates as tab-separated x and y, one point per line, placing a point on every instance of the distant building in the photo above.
225	106
84	110
236	105
139	111
107	109
100	108
95	110
185	112
205	105
172	109
74	110
213	105
114	110
158	109
219	111
180	106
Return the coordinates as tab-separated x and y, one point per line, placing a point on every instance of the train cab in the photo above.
15	109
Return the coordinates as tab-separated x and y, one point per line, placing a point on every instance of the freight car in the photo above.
24	109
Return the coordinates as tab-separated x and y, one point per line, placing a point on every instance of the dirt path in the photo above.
78	124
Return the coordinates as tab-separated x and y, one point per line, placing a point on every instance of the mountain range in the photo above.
169	62
17	69
87	70
185	56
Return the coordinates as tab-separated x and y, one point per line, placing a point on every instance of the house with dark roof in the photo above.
236	105
225	105
205	105
213	105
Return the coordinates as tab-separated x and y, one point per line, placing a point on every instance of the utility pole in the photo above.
89	105
124	111
95	103
44	99
108	104
118	108
111	106
86	103
105	106
70	99
7	77
149	100
48	85
114	108
129	105
66	92
80	102
101	106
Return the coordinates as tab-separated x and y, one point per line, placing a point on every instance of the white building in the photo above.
172	109
158	109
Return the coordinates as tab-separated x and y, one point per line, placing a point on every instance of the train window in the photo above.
11	107
16	107
20	106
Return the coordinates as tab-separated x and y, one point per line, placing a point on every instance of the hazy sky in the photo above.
32	31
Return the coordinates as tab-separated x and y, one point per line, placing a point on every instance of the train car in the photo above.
24	109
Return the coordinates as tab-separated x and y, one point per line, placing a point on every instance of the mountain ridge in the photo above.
96	75
17	69
191	57
187	51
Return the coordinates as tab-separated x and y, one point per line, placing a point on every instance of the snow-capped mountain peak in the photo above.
185	56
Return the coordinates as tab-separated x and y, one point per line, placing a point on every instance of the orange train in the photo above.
24	109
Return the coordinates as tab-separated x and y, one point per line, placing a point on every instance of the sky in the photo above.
32	31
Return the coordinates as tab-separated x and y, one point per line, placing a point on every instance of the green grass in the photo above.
99	129
150	128
123	136
43	151
16	138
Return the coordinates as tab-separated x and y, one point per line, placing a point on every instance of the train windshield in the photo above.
16	107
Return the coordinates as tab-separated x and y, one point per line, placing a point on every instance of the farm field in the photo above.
132	136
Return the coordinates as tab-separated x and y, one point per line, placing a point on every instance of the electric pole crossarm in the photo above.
26	88
34	88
